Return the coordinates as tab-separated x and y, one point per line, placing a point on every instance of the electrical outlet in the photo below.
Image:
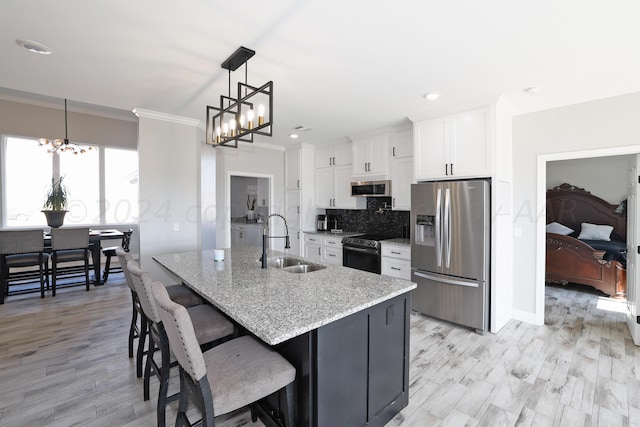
176	226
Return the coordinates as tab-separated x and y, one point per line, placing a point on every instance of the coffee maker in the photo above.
321	223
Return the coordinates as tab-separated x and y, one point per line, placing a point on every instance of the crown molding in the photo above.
155	115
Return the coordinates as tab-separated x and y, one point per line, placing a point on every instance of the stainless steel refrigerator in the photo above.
450	242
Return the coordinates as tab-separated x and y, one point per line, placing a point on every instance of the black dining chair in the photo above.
110	252
68	247
20	249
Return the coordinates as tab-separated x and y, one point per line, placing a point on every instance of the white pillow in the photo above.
556	227
595	232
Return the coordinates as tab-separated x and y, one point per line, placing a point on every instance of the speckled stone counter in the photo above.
276	305
332	234
398	242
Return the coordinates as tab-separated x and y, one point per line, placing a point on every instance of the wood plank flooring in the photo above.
64	362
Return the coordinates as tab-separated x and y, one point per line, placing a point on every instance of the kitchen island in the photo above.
346	331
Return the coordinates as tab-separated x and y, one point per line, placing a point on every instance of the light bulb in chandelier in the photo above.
250	115
232	126
261	114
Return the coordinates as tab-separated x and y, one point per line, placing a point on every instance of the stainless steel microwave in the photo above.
371	188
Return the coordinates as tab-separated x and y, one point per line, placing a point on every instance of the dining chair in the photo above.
212	328
229	376
20	249
69	246
110	252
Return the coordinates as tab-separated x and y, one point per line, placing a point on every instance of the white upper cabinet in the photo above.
452	147
293	169
333	178
401	180
401	143
333	155
370	156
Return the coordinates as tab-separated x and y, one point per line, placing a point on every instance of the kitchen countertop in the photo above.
276	305
398	242
330	233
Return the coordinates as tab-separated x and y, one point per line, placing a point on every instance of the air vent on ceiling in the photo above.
302	128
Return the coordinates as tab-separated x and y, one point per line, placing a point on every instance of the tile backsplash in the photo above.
394	223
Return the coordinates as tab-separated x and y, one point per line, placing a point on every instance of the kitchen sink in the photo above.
294	265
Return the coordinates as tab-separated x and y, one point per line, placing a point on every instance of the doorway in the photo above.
545	162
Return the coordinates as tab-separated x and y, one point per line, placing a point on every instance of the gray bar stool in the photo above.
227	377
212	328
69	245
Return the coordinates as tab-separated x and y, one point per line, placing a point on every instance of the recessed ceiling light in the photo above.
293	135
532	90
34	47
431	96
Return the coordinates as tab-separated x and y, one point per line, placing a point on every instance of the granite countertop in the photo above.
331	233
398	242
276	305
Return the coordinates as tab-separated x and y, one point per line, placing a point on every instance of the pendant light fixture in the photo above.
250	113
63	145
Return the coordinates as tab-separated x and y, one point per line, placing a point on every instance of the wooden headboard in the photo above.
571	206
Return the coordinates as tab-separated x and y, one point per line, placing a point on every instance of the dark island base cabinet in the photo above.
354	371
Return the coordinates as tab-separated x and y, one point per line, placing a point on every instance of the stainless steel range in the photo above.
363	252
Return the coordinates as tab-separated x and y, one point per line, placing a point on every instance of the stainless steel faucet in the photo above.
265	236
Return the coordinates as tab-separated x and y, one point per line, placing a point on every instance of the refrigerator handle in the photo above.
447	227
438	230
448	281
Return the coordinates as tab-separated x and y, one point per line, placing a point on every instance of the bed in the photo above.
591	260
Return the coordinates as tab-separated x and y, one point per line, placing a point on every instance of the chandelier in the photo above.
240	118
63	145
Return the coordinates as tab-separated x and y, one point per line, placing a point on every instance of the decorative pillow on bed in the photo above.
556	227
595	232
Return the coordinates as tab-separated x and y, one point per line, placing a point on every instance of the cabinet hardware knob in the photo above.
395	268
319	251
298	235
451	168
446	169
298	209
331	254
394	252
298	183
394	151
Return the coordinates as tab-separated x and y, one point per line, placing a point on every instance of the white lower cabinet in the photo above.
332	250
396	261
313	247
295	242
324	249
246	235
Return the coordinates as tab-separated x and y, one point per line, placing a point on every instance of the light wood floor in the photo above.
63	362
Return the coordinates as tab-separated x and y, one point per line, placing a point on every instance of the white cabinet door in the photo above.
430	152
293	209
402	143
313	248
324	188
455	146
332	256
252	235
370	156
295	242
324	157
395	268
263	192
342	155
470	144
292	163
342	188
401	180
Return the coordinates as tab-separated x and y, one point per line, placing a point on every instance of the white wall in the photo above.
605	177
169	150
250	159
596	125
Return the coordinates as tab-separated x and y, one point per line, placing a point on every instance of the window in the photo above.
95	197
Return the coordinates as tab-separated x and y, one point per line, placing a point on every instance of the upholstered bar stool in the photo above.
177	292
20	249
227	377
211	328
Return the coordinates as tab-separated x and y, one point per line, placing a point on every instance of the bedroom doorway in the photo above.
583	168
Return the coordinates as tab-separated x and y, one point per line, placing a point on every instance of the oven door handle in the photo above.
363	250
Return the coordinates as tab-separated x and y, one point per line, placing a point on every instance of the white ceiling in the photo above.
339	67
